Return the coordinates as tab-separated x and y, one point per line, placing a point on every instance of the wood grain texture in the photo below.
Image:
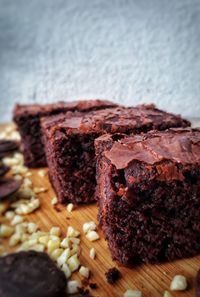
152	280
129	51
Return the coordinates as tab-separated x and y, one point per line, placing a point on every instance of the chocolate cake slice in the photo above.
69	144
27	118
148	192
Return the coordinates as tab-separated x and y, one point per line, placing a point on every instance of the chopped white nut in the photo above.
54	237
92	236
28	174
75	249
9	161
52	245
22	208
55	231
167	294
65	243
25	192
28	207
44	239
17	203
66	270
38	247
9	214
70	207
132	293
63	257
17	177
41	173
73	263
27	182
54	200
20	228
37	235
6	231
6	132
89	226
73	286
32	227
14	239
38	190
17	220
18	156
71	232
24	247
24	237
92	253
32	241
179	283
19	169
41	233
56	254
75	240
84	271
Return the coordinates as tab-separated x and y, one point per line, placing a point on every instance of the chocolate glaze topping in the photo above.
177	145
121	119
80	105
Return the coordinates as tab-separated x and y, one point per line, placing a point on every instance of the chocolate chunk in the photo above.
9	187
30	274
112	275
93	286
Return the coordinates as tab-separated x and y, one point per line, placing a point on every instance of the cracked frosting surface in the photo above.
178	145
122	119
80	105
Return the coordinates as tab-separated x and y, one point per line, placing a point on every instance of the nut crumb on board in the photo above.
113	275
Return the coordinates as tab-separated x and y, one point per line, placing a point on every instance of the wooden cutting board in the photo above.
152	280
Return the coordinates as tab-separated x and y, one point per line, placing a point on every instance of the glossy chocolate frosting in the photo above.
121	120
178	145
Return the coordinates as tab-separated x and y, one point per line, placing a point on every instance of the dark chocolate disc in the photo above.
3	169
9	187
198	284
7	146
30	274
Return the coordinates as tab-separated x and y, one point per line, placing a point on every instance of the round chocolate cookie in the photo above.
30	274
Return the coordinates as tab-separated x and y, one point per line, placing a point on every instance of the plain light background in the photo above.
130	51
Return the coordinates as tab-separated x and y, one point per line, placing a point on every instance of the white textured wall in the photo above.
132	51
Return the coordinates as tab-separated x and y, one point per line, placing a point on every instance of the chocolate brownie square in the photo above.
148	192
69	144
27	118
